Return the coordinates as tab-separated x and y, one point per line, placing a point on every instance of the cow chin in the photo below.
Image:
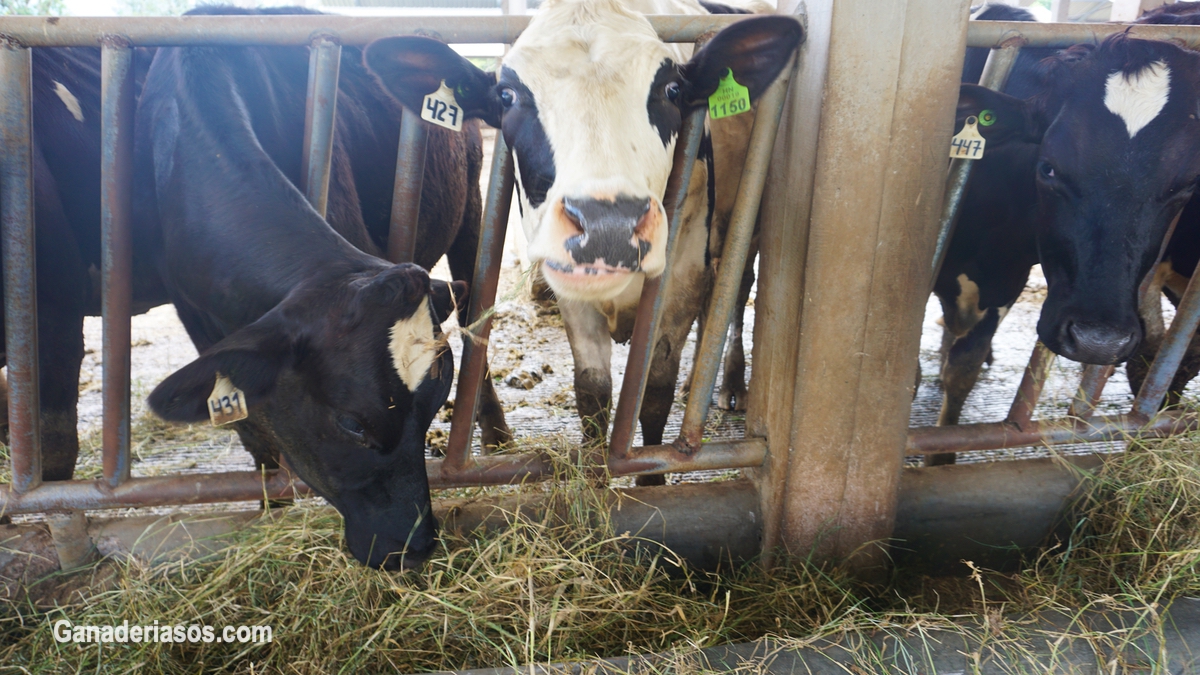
587	283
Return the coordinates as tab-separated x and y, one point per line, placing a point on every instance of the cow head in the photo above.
590	101
1119	158
343	378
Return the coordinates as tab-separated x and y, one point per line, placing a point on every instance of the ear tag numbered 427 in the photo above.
729	99
442	109
968	144
227	403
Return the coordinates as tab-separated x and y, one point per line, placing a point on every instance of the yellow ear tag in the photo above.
227	403
729	99
442	109
967	144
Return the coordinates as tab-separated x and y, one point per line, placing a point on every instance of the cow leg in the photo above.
732	395
591	349
493	429
660	390
960	371
60	346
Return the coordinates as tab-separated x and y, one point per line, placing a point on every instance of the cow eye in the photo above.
352	426
508	97
672	92
1045	170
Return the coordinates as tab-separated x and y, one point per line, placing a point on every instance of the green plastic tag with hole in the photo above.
729	99
987	118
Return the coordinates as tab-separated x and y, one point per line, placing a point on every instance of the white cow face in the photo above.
590	101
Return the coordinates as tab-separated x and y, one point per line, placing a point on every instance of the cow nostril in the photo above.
1097	343
573	213
644	222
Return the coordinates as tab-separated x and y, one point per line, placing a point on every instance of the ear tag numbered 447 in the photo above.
729	99
226	403
442	109
968	144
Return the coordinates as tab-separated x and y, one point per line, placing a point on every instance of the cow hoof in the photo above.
732	398
495	437
648	481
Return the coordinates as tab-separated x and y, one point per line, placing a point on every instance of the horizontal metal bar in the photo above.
998	435
992	33
296	30
238	486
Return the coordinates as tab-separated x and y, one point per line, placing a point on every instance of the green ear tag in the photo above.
730	98
987	118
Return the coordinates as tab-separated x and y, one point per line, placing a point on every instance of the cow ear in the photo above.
447	297
251	358
755	49
1002	118
412	66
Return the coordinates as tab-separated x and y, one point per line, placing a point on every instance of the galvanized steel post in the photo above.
324	61
116	238
483	297
406	196
20	268
892	87
654	291
1174	346
733	258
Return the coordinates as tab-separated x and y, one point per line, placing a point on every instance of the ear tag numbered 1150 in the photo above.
442	109
729	99
226	403
968	144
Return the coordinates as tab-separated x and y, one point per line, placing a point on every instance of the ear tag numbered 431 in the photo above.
968	144
729	99
227	403
442	109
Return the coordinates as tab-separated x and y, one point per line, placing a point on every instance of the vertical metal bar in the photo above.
1090	389
1174	346
20	268
483	297
324	60
733	258
406	196
116	240
1031	385
654	291
995	75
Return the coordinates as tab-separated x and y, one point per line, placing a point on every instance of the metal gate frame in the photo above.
1018	429
325	34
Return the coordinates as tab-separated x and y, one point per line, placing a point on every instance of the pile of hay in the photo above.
570	587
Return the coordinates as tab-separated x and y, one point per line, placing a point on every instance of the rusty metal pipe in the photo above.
252	486
1032	382
320	112
997	435
733	258
654	293
1170	354
995	75
116	241
297	30
483	297
20	268
406	195
1090	389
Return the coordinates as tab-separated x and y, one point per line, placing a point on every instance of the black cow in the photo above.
1117	159
993	248
337	352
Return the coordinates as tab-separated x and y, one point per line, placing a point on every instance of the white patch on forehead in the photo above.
69	100
413	346
1139	97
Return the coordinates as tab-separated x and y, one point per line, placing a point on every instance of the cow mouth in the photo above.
589	270
596	281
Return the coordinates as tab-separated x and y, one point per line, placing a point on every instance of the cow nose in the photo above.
611	232
1097	343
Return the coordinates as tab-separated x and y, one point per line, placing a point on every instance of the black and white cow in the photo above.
1118	156
337	352
591	100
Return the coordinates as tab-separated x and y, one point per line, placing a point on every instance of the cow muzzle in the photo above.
603	242
1095	343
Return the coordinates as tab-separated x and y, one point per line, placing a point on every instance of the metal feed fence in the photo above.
324	35
1019	429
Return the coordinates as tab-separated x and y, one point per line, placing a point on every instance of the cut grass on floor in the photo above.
570	588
